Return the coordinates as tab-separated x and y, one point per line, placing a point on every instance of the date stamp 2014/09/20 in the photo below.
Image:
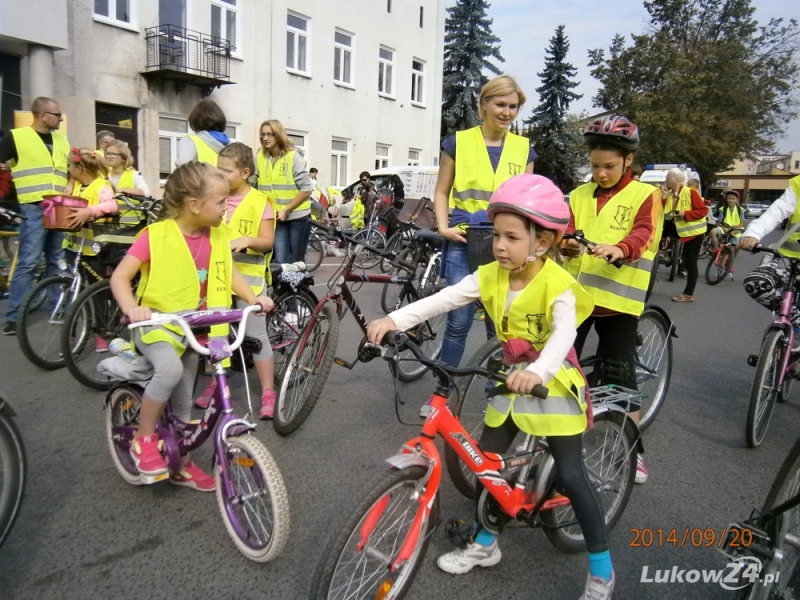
693	537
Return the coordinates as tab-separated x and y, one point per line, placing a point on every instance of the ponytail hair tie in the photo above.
76	155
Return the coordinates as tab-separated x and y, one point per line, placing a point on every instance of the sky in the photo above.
526	26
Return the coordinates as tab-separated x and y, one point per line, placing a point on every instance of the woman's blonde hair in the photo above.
123	150
190	180
500	86
284	143
90	161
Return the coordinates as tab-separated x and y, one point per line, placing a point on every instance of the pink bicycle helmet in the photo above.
533	197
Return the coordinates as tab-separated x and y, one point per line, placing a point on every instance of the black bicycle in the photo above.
13	468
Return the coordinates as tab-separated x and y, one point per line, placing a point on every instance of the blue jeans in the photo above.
291	239
459	320
34	240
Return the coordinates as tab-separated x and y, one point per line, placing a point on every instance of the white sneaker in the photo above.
598	589
461	561
641	470
425	409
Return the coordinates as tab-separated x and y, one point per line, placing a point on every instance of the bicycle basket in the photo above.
479	246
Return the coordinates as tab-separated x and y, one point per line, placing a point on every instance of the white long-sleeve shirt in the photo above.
781	209
564	328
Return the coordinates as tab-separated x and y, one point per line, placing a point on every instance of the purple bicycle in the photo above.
251	495
777	363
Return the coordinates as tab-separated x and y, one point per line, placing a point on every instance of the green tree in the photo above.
548	129
706	84
469	44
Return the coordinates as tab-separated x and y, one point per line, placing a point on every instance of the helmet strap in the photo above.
533	254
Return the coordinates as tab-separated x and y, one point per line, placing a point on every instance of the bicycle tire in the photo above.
256	481
122	416
760	409
395	488
372	237
718	268
95	314
315	252
653	273
612	470
394	246
649	353
289	328
705	247
676	259
430	334
48	354
391	291
13	474
320	347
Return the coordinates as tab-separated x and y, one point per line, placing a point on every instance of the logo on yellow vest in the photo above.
538	327
514	169
623	215
245	226
221	272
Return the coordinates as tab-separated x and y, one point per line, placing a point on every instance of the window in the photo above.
223	21
414	157
385	71
170	130
115	10
298	138
297	31
797	164
342	57
421	15
339	154
231	131
381	156
417	82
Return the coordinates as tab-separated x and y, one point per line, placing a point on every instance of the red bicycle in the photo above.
377	551
721	262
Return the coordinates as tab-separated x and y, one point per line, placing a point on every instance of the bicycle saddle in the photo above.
429	237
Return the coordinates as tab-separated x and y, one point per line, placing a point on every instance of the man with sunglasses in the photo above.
38	158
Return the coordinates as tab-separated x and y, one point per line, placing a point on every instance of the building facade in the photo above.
356	83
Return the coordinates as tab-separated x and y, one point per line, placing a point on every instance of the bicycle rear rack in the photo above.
614	394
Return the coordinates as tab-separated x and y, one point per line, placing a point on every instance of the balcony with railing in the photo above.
187	58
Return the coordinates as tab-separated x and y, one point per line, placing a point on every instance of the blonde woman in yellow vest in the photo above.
616	213
125	179
208	123
186	265
38	158
473	163
282	175
537	306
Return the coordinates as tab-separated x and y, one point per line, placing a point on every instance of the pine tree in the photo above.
469	44
555	141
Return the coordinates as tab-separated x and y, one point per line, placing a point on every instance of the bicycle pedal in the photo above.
150	479
343	363
460	532
752	360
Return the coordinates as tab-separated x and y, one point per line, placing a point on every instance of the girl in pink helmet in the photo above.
537	307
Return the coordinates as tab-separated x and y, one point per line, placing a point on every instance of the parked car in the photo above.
753	211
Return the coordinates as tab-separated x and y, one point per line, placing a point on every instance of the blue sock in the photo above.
485	538
600	565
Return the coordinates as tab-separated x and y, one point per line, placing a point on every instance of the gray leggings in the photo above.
257	328
174	376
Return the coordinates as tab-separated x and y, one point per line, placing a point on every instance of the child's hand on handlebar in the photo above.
138	313
266	303
572	248
523	382
379	328
609	252
746	243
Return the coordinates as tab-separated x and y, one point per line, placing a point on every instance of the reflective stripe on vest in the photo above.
37	172
246	221
90	193
791	247
621	290
205	153
530	317
169	282
688	228
277	180
475	180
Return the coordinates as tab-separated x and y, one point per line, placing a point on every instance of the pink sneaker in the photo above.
205	398
267	405
146	454
641	470
100	345
192	476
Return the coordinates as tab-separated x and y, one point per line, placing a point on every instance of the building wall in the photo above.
33	22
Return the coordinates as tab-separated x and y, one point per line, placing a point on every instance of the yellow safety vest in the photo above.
622	290
36	172
277	181
100	152
688	228
127	216
475	180
90	193
357	216
204	152
169	282
730	216
246	221
530	317
791	247
658	216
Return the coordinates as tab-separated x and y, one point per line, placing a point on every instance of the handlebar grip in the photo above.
539	391
618	263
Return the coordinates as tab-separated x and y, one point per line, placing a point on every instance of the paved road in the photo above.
84	533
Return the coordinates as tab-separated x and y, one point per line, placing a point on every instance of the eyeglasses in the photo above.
112	155
266	135
52	113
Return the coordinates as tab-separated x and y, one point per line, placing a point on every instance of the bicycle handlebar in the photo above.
10	214
581	239
339	233
400	341
146	203
203	318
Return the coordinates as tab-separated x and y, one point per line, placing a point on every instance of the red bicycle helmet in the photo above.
614	129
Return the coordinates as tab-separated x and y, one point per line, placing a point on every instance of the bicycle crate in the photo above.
479	246
57	209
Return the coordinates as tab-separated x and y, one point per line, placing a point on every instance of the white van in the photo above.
657	174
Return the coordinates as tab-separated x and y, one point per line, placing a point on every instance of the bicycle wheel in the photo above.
356	561
284	324
391	291
428	336
13	473
719	267
307	371
315	252
92	321
765	387
675	259
122	421
609	454
256	515
371	237
705	248
654	364
394	245
40	318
